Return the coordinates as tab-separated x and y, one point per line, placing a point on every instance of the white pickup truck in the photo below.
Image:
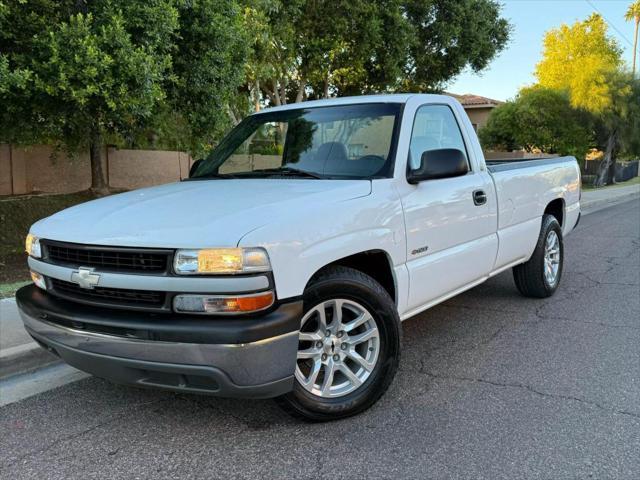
284	265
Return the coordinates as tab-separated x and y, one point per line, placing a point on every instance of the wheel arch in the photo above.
376	263
556	208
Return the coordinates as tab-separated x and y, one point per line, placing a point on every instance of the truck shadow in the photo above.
468	322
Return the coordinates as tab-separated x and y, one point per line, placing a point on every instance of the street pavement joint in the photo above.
529	388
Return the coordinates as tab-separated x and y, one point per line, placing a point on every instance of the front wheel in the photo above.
540	276
349	346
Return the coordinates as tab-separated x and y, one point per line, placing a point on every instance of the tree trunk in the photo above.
276	94
283	91
607	161
98	182
256	96
269	94
232	116
300	94
611	173
635	48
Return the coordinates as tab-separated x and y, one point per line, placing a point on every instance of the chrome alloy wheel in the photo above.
551	258
338	348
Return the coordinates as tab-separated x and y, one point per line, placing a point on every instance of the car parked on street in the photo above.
284	265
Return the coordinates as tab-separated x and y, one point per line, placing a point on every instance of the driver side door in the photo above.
451	236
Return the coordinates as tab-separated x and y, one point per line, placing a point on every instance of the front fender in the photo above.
300	245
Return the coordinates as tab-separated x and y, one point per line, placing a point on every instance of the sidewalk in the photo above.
20	354
597	199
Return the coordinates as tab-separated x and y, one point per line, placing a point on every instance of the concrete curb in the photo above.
24	358
590	206
19	353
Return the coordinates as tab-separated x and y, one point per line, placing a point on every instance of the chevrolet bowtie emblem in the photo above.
85	277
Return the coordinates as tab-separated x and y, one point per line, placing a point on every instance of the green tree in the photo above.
630	130
321	48
75	72
584	61
538	119
581	59
633	15
618	129
503	130
448	36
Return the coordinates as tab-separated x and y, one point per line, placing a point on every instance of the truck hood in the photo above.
192	214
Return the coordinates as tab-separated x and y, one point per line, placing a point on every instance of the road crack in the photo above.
528	388
542	317
118	416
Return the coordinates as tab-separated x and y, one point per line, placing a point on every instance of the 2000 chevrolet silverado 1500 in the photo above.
284	265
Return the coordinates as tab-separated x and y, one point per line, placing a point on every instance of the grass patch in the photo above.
633	181
17	214
9	289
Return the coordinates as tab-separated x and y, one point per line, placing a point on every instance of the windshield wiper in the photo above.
215	175
286	171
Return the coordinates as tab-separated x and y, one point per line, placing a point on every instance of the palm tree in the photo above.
633	14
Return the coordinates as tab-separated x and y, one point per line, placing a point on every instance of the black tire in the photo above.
529	276
347	283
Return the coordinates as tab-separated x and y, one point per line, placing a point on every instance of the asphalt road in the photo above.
492	385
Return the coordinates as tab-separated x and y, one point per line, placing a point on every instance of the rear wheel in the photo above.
540	276
349	346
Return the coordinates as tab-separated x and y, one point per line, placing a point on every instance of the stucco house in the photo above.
478	108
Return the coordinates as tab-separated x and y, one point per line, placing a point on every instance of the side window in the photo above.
434	127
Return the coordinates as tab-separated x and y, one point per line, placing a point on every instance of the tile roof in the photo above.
469	99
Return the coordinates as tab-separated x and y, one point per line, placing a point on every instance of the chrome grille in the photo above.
117	297
107	258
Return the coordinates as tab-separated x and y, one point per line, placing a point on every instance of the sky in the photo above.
513	68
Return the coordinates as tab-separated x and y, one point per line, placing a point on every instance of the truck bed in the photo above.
525	187
517	163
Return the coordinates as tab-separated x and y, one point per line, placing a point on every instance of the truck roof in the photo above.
385	98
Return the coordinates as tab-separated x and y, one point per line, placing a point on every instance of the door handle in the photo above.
479	197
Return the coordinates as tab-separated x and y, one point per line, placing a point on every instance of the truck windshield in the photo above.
349	141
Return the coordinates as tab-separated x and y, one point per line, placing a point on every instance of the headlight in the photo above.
220	304
221	260
32	246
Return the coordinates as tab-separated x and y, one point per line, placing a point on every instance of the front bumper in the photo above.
234	357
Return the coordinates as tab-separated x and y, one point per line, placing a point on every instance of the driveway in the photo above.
491	385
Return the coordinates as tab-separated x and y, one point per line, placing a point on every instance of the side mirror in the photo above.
442	163
194	167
